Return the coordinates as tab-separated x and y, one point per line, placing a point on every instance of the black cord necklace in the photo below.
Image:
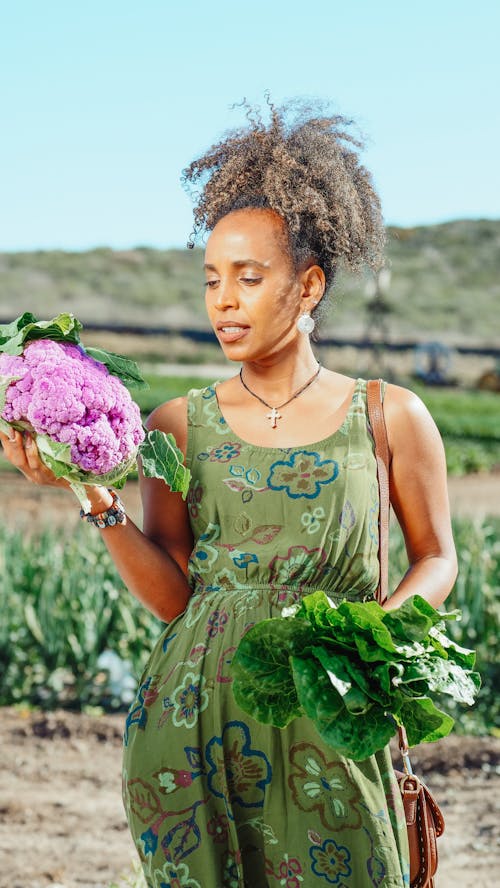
274	415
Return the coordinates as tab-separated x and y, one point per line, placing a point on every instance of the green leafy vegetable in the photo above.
161	458
356	670
126	369
65	328
14	336
424	722
261	666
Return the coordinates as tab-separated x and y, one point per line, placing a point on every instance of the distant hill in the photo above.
445	281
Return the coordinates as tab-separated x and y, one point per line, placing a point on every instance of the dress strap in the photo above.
203	418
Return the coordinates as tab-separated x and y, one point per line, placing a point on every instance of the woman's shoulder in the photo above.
397	398
406	416
172	416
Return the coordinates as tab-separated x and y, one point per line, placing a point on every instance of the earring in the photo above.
305	323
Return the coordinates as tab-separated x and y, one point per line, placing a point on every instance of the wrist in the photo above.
110	516
100	499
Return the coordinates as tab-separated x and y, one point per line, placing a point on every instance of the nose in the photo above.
225	295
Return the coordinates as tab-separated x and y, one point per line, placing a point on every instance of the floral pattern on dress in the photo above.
194	498
330	861
237	772
189	699
323	786
216	622
204	554
297	567
175	875
312	519
223	452
244	481
288	872
218	828
303	474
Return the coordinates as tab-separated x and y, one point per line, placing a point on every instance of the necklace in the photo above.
274	415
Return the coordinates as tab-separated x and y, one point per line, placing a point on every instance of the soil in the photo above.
62	822
61	817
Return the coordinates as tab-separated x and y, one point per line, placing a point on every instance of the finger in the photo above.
6	439
31	453
14	450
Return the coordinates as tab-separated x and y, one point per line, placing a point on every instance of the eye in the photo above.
251	280
211	284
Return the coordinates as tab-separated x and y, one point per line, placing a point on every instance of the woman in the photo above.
283	501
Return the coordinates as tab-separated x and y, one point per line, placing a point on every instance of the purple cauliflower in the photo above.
62	392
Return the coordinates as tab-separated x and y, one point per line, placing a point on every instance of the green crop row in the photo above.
71	635
62	606
477	595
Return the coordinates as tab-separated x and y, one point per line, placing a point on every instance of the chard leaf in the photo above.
444	677
263	684
384	681
376	682
424	722
13	337
365	624
363	669
318	697
161	458
450	649
119	365
354	737
413	619
320	612
354	697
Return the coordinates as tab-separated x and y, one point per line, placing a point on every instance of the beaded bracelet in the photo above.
114	515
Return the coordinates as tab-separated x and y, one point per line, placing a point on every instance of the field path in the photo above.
62	822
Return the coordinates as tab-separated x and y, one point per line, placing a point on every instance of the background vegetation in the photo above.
444	281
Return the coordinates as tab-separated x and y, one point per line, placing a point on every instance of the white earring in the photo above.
305	323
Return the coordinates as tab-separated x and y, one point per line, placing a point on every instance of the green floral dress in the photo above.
214	799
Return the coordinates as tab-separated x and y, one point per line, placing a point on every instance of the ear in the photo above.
313	287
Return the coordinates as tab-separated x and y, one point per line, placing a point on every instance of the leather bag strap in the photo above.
382	455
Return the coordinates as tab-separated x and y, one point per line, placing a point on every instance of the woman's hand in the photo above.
22	452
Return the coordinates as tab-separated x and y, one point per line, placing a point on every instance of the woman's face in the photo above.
253	293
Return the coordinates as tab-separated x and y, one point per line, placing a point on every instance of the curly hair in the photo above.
304	165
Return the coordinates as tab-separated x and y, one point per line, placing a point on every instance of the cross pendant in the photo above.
273	416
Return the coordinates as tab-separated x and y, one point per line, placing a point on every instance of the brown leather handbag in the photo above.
424	820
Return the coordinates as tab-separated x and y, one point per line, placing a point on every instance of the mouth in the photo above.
228	332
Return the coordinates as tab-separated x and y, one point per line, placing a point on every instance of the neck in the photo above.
277	380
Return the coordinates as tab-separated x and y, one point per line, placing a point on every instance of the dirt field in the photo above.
61	817
62	823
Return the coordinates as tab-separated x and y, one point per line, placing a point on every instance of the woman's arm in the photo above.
419	496
152	562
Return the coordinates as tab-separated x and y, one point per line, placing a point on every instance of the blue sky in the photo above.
104	103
